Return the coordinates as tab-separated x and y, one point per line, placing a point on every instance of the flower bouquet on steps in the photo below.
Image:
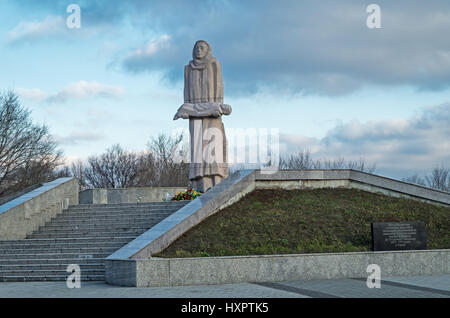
189	194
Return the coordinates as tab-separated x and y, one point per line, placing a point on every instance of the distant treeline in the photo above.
29	155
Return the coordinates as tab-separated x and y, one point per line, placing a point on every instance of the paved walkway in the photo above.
404	287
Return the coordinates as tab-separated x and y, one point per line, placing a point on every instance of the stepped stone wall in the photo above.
23	215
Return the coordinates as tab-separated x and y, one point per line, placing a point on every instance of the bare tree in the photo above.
77	171
439	178
164	163
28	153
113	169
360	165
297	161
303	161
416	179
170	164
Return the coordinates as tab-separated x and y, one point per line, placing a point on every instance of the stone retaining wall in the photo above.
158	272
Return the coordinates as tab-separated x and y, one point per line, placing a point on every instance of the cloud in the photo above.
76	90
312	47
143	57
34	30
35	94
305	46
398	147
78	137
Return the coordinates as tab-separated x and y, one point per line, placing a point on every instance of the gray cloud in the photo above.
398	147
322	48
303	46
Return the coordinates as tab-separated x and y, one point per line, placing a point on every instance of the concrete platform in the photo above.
391	287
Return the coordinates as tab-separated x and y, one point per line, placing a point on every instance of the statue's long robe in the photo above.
204	85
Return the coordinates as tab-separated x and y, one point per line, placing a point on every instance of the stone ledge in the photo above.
159	272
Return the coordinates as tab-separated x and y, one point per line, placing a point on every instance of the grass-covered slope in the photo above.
306	221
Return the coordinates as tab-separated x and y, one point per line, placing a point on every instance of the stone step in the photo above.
94	230
129	207
117	214
71	234
109	217
44	273
95	226
125	210
86	250
53	261
50	267
109	220
49	278
66	240
44	245
74	256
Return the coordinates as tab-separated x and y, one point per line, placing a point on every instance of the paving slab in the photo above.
407	287
441	282
103	290
357	288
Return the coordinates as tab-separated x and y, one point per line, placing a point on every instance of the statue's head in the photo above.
201	50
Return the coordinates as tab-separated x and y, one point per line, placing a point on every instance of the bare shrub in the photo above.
303	161
113	169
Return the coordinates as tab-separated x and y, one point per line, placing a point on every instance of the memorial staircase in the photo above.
83	234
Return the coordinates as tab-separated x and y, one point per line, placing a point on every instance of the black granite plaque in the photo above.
394	236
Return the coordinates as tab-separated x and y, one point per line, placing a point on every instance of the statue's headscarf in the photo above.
199	64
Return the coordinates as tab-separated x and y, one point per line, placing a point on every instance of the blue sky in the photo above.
310	68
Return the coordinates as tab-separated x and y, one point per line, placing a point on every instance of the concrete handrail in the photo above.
15	195
23	215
